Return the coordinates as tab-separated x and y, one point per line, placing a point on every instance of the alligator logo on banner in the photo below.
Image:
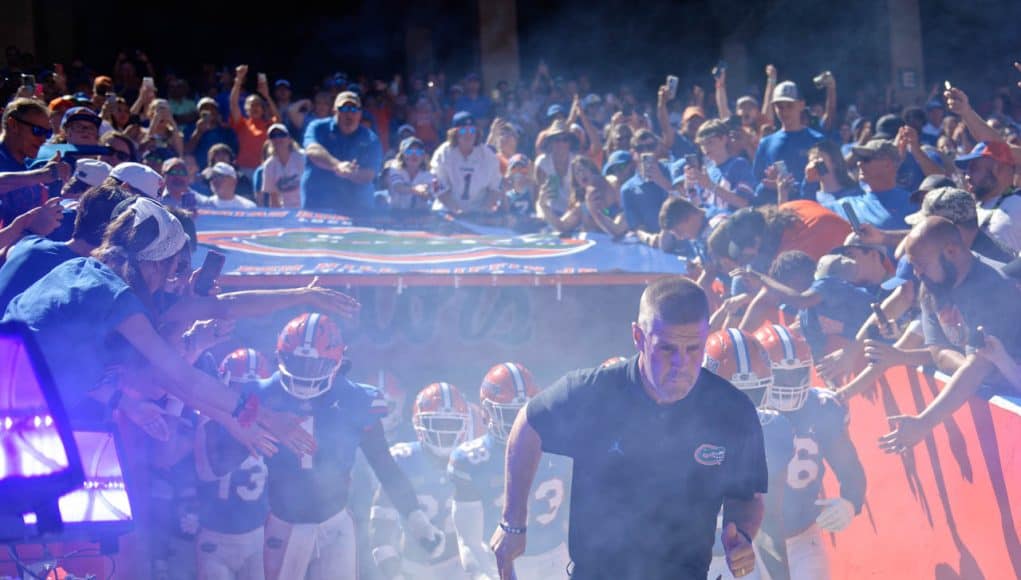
294	242
390	246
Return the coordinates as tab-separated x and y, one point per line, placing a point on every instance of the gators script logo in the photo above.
707	454
390	247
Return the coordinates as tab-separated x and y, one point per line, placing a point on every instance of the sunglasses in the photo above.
349	108
646	147
415	151
180	172
278	135
469	130
37	131
121	155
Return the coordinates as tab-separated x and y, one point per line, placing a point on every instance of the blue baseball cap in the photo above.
282	83
462	119
554	110
80	114
905	273
996	150
935	104
591	100
618	157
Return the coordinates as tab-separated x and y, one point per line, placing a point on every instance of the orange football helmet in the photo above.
441	418
310	350
505	390
738	357
244	365
791	359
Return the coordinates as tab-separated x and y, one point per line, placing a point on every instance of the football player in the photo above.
396	427
442	420
738	357
231	489
477	470
309	532
820	423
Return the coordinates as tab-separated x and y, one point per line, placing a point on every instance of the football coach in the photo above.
658	444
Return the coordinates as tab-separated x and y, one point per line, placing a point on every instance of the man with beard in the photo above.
989	172
960	293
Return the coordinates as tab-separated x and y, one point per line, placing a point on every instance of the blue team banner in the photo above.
302	243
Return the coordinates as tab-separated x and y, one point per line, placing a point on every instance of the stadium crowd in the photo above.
835	239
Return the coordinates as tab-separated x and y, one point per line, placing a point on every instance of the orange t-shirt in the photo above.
251	135
817	231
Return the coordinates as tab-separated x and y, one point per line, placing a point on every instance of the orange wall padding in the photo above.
950	508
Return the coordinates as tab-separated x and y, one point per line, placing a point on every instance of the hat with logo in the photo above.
786	92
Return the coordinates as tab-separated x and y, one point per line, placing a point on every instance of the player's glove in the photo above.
431	538
836	514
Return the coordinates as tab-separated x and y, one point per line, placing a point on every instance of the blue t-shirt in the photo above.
641	200
220	134
324	190
810	190
738	173
16	201
27	261
885	210
910	174
73	311
791	148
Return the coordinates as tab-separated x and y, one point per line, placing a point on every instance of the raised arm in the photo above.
524	451
829	115
722	104
664	117
235	93
767	98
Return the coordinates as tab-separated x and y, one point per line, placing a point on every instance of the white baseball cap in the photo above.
141	177
91	171
224	169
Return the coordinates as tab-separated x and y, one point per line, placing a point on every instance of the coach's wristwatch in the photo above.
506	527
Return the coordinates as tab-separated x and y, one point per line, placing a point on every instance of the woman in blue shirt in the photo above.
85	305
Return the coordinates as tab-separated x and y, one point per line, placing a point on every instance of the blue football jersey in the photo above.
236	502
778	439
428	475
477	468
818	425
337	419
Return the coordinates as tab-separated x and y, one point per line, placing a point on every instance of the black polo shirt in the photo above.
649	480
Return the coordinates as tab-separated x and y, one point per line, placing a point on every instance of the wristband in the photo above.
506	527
